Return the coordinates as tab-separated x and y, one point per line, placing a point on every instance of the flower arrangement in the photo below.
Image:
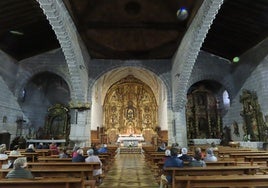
246	138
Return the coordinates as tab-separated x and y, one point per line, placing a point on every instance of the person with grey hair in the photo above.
94	158
19	170
197	160
167	155
3	148
184	155
210	157
15	151
30	148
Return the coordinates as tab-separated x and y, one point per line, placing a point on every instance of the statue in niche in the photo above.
130	111
236	128
226	136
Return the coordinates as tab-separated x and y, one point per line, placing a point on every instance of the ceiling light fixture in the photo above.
16	32
236	59
182	14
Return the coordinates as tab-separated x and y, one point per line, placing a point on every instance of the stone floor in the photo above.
129	171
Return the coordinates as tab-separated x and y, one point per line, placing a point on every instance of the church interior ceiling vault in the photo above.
132	29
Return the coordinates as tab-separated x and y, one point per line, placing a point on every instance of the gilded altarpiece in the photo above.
203	118
57	125
130	108
254	126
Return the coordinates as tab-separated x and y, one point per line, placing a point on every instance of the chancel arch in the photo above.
129	100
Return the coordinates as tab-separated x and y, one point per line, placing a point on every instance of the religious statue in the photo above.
254	124
236	128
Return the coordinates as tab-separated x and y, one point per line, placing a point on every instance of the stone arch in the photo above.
164	78
187	53
115	75
215	77
24	79
71	45
204	110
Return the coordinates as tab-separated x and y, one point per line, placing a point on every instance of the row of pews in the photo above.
236	167
50	170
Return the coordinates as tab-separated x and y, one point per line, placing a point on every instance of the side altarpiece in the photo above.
203	116
254	125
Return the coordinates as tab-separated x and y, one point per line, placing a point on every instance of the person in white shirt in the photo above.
94	158
210	157
15	151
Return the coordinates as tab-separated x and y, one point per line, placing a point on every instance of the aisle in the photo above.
129	171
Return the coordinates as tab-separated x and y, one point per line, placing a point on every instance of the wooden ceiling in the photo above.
132	29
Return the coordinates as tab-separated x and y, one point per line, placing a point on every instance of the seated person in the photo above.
15	151
162	148
95	149
94	158
74	152
103	149
63	153
30	148
40	146
53	149
45	146
184	156
173	161
214	147
210	157
3	148
167	155
19	170
197	161
79	157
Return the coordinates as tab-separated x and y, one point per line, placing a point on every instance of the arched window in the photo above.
226	99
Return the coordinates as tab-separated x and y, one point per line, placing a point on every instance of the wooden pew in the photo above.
218	163
257	159
56	172
241	156
42	183
47	165
221	181
54	159
210	170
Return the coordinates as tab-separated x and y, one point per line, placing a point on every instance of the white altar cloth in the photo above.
255	145
206	141
46	141
134	137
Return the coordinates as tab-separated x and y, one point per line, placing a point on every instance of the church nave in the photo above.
129	170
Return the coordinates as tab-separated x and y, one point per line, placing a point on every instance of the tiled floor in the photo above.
129	171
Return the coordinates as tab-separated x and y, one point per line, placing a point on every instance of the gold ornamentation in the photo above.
79	105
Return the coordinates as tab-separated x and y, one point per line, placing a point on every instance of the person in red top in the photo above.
54	149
